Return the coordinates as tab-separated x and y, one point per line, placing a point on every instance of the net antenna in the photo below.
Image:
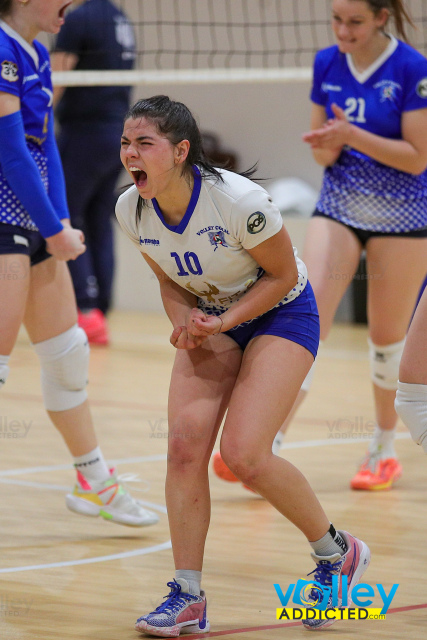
227	41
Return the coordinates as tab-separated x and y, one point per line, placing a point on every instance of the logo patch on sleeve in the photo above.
9	71
256	222
422	88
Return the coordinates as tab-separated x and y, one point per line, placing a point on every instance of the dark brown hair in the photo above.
176	122
397	10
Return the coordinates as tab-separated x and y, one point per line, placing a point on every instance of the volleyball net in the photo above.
221	41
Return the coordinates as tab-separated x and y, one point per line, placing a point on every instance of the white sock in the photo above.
93	466
192	578
331	543
277	443
382	443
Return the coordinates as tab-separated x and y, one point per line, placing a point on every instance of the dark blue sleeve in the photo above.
22	174
57	190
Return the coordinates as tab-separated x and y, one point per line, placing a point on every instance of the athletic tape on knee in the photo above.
411	406
64	369
384	362
309	377
4	370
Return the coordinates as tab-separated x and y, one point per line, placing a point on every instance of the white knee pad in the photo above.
411	406
4	369
306	384
384	362
64	369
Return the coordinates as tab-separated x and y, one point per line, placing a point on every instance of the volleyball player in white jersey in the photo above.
245	326
36	239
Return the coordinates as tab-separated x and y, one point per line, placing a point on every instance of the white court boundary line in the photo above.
74	563
300	444
5	479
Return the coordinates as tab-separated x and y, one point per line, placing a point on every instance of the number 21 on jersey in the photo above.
355	111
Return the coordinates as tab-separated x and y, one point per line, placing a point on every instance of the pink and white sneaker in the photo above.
352	564
181	612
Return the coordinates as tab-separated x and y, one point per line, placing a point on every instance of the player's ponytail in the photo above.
401	15
399	12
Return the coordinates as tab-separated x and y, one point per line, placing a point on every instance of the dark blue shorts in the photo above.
15	239
363	235
297	321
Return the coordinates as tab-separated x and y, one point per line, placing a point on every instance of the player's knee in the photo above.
186	442
384	363
64	363
4	370
245	462
411	406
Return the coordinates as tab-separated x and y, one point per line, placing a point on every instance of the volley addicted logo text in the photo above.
319	602
256	222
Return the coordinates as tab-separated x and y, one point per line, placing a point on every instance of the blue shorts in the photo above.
297	321
15	239
363	235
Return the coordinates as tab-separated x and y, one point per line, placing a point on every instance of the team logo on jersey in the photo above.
388	89
256	222
422	88
217	238
9	71
388	93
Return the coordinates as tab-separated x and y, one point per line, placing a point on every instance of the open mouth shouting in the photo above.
139	176
61	12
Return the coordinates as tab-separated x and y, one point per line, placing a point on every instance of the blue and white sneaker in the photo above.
182	612
352	564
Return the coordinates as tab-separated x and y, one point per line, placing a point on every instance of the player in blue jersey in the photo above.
369	131
245	326
36	239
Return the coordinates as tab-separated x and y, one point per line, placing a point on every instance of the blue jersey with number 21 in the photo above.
358	190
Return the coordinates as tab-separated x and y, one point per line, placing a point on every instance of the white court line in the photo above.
303	444
74	563
154	549
333	440
65	467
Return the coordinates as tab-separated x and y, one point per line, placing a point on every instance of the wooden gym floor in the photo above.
63	576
